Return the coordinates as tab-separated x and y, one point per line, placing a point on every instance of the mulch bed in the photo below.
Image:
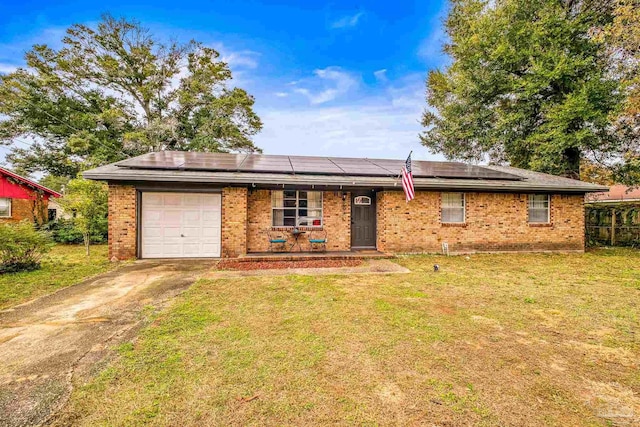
269	265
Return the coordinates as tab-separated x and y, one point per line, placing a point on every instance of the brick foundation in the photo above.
494	222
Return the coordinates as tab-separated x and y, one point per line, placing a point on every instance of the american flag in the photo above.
407	180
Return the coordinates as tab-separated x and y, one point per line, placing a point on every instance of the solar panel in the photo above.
157	160
256	163
261	163
321	165
359	167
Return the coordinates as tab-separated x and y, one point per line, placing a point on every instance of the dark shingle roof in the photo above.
385	175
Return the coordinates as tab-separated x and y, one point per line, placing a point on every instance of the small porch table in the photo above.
296	235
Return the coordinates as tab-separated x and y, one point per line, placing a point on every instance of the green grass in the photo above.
63	266
538	339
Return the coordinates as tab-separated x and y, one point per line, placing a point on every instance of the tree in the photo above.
56	183
88	201
528	85
115	91
622	36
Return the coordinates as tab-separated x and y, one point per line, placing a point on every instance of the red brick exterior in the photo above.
234	222
27	209
336	217
122	222
494	222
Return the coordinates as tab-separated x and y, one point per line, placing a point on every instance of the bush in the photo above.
22	247
65	231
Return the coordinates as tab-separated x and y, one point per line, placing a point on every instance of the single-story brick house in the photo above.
187	204
21	198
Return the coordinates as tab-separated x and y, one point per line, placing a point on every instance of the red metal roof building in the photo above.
22	198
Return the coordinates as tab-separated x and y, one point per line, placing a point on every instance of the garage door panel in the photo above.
192	216
211	249
172	232
210	232
194	200
153	199
153	251
172	199
180	225
153	232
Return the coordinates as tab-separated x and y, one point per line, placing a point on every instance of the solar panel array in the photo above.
259	163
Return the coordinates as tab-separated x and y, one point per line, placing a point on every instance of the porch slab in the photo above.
300	256
369	266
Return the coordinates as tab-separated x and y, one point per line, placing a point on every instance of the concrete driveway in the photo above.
50	343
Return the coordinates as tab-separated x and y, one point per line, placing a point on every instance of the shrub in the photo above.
65	231
22	247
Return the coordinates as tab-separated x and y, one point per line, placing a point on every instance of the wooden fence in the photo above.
613	223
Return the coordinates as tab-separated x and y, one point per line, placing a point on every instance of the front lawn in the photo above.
65	265
495	340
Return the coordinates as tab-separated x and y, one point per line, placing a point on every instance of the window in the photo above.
452	208
5	208
538	208
296	208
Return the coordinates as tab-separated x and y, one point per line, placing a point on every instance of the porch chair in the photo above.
319	239
277	238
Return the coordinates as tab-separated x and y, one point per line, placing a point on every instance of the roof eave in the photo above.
333	181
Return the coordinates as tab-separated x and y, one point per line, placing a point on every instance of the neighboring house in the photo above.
21	198
613	218
56	211
186	204
616	194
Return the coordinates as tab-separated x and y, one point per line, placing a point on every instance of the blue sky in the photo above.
329	78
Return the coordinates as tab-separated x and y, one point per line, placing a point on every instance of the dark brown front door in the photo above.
363	220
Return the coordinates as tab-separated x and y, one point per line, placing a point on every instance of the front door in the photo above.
363	220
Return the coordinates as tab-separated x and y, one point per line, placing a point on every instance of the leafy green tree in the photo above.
87	200
56	183
622	37
528	84
115	91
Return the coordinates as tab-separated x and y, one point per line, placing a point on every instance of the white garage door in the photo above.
180	225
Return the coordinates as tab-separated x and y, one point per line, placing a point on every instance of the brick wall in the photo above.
494	222
122	222
32	210
336	217
234	222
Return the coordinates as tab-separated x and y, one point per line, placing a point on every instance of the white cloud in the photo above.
7	68
347	21
240	59
381	75
281	94
329	84
384	125
430	49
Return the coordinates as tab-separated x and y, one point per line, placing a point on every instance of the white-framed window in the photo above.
5	207
453	208
539	208
292	208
